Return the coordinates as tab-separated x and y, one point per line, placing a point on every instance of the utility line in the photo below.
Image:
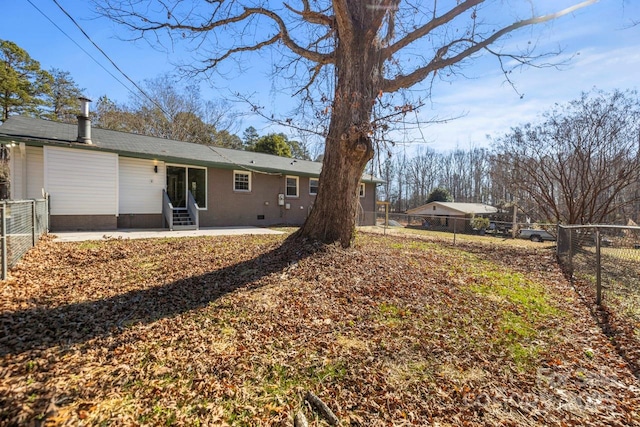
107	56
80	47
101	51
128	78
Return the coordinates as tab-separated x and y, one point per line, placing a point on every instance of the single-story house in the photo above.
100	179
451	215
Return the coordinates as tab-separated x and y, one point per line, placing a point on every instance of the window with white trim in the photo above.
292	186
241	181
313	186
362	189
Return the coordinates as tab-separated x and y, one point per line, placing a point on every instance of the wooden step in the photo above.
183	221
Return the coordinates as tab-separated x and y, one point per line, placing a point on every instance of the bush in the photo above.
480	223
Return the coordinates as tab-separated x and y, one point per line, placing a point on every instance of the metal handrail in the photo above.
194	209
167	209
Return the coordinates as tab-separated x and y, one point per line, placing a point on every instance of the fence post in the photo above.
571	249
33	223
4	239
47	214
454	230
598	269
386	219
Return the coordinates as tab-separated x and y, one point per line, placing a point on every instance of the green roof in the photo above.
39	132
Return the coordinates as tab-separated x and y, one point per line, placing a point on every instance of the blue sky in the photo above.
602	47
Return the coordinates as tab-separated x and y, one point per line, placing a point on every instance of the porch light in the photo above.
155	168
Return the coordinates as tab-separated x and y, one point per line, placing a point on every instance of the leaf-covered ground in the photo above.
236	330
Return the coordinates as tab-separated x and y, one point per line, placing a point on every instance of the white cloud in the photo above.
492	107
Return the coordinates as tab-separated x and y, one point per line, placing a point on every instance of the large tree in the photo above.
249	138
581	165
108	114
168	110
63	99
370	48
439	194
226	139
273	144
23	84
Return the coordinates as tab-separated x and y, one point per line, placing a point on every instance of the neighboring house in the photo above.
451	215
102	180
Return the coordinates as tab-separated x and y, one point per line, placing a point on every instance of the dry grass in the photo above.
448	237
236	330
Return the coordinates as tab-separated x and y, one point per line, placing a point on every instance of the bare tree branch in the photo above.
578	163
440	61
312	17
430	26
125	18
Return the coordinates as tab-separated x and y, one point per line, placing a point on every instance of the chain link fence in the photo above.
603	262
22	224
607	259
477	225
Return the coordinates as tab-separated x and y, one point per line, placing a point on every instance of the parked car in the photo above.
536	235
392	223
588	238
499	228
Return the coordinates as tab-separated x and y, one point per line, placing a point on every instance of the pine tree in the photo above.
24	86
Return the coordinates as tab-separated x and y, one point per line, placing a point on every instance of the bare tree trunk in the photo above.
333	216
348	146
347	151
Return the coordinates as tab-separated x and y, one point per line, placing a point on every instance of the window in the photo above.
362	189
241	181
292	186
313	186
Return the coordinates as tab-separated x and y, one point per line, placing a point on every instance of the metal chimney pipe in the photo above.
84	122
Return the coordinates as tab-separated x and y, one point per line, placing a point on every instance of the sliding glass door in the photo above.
197	184
176	186
181	179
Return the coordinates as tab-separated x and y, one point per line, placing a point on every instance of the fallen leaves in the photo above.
237	331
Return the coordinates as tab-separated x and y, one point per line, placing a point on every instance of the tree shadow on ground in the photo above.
43	328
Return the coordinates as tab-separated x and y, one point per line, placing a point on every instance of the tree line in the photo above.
410	179
167	110
579	164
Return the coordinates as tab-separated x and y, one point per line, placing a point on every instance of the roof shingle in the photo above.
43	132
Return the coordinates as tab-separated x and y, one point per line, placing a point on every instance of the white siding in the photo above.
439	210
140	187
16	177
81	182
35	172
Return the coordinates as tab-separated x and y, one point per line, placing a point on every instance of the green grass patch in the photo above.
514	288
90	244
521	307
331	371
393	315
514	304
